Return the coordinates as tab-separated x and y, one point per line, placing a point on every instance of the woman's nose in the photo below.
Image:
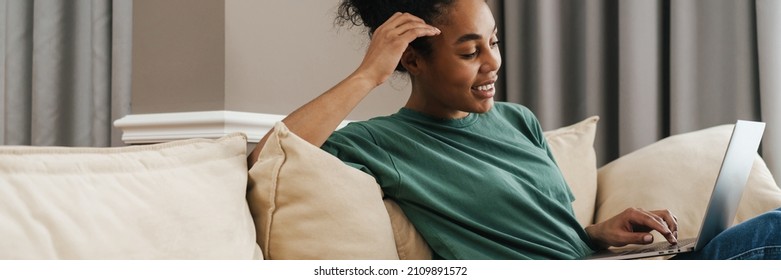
492	61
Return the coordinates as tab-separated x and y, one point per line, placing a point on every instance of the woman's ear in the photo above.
409	60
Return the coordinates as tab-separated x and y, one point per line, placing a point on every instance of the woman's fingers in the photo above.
389	42
661	221
412	31
670	220
632	226
406	27
399	19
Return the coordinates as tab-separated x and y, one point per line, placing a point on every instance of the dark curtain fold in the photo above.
58	71
648	68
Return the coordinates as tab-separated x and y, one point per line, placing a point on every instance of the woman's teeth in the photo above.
485	87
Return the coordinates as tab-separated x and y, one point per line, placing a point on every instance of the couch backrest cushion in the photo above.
307	204
678	173
177	200
573	149
409	243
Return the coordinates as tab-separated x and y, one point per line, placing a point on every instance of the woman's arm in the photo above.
316	120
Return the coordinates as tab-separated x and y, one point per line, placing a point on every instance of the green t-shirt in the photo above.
482	187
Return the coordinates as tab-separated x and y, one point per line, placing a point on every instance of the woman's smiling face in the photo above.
458	77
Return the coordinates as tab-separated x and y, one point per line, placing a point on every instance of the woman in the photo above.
475	177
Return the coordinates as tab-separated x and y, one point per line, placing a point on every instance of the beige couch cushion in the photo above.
409	243
678	173
307	204
573	149
178	200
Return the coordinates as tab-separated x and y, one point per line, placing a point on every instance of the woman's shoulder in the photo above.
364	129
367	125
515	112
509	108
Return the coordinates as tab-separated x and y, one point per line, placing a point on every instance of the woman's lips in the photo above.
484	91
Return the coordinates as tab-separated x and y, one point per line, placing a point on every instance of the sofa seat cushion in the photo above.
177	200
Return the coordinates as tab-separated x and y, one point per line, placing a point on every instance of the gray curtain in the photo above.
649	68
65	68
769	56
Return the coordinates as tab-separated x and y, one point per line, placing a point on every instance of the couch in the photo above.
196	198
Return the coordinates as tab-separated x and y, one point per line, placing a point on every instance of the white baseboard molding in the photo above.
164	127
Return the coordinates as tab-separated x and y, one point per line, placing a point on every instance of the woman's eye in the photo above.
469	55
493	45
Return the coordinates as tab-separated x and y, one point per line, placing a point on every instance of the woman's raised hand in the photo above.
389	42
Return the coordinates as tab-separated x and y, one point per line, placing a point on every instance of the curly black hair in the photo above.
373	13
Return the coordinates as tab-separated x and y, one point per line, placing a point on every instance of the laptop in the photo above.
723	204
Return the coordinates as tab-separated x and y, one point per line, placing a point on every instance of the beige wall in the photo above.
268	56
178	56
